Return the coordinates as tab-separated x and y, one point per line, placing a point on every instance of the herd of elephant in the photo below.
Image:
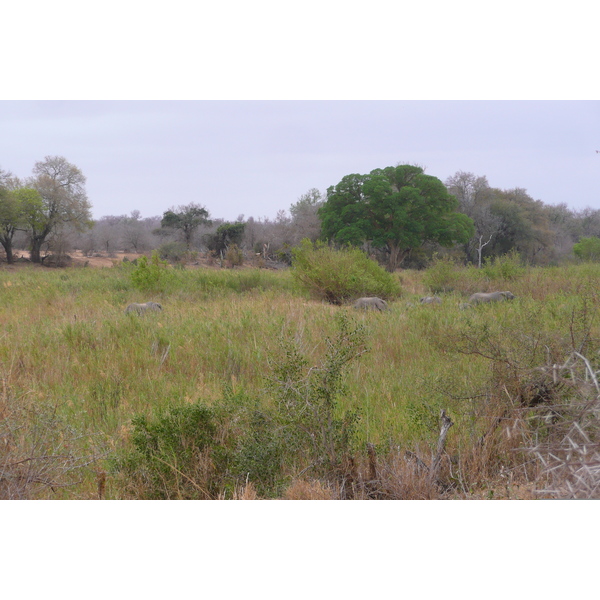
373	303
477	298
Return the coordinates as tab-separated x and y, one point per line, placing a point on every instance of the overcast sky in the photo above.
254	158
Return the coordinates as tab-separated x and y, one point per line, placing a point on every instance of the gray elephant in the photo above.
140	309
373	303
480	297
431	300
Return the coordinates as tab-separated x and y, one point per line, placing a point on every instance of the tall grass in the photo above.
66	343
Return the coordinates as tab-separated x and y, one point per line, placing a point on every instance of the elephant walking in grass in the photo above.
140	309
431	300
373	303
481	297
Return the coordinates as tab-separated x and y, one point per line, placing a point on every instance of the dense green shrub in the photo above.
340	275
506	267
151	276
587	249
442	276
175	456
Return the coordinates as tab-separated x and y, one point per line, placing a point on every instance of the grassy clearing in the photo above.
67	344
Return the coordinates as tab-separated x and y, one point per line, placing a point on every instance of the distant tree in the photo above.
394	209
587	249
185	219
305	219
474	196
226	235
524	226
61	186
11	216
135	235
109	232
5	178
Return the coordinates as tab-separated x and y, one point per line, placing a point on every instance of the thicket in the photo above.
339	276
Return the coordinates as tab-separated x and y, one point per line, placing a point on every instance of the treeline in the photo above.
463	217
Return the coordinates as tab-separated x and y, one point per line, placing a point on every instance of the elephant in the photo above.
142	308
431	300
480	297
371	303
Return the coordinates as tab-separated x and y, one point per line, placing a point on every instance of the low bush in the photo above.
342	275
174	252
151	276
176	455
41	456
442	276
587	249
508	267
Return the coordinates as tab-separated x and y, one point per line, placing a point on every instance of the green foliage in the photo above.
196	452
395	209
307	401
13	205
442	276
185	219
151	276
226	235
175	455
588	249
340	275
507	267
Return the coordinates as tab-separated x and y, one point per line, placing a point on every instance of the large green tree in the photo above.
61	186
395	209
185	219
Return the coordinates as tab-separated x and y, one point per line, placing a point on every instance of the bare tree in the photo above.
305	219
474	196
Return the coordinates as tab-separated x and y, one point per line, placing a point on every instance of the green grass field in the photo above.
75	369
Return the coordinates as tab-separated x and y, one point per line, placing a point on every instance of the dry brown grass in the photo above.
302	489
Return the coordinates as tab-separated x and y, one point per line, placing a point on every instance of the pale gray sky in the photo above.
243	107
257	157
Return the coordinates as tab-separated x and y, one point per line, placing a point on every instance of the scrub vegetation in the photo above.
245	386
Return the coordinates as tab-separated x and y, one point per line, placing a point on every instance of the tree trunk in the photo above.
36	250
396	257
7	244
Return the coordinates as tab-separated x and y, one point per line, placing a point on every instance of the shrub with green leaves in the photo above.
151	276
442	276
176	455
314	434
507	267
340	276
587	249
